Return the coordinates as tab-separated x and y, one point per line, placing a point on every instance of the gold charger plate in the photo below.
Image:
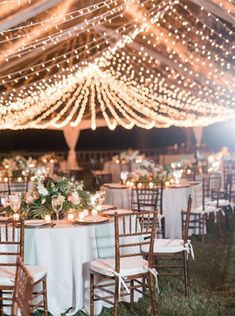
89	221
118	211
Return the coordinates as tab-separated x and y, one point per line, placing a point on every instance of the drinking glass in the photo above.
5	201
177	174
15	202
57	205
124	176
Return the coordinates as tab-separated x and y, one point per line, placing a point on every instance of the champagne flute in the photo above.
57	204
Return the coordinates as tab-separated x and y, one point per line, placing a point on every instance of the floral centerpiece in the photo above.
37	202
129	156
50	158
148	171
18	166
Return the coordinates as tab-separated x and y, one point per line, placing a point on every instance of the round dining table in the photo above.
65	251
174	201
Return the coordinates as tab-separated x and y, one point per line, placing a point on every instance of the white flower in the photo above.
42	190
74	198
80	186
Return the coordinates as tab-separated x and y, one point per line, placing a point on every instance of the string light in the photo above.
149	72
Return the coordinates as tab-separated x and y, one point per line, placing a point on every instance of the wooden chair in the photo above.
18	185
12	246
172	254
101	177
145	198
23	289
209	208
128	267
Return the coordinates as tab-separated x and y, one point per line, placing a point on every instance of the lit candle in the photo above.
167	183
139	185
150	185
16	216
132	184
47	218
81	215
70	217
94	212
85	212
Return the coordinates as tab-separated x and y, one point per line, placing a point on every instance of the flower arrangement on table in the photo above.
49	196
129	156
18	166
146	171
50	158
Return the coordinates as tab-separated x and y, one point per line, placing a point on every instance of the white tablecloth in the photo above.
65	252
174	201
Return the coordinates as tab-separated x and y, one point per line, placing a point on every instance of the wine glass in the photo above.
57	204
177	174
15	201
124	176
102	196
5	201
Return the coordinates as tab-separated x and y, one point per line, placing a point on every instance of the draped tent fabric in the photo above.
71	135
198	133
144	63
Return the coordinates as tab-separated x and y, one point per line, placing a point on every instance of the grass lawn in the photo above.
212	282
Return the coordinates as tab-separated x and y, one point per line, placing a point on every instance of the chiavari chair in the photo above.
18	185
12	246
144	197
4	191
171	255
23	290
211	206
128	268
101	177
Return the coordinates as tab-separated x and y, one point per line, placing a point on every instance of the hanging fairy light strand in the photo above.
150	76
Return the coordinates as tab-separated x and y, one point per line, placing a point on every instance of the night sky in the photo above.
215	136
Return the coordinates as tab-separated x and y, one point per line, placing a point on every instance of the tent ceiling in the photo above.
149	63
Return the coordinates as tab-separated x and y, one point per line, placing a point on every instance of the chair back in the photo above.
132	232
11	241
101	178
160	187
23	290
230	187
211	186
4	188
18	185
145	198
186	227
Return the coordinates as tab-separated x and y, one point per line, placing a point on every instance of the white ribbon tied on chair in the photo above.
189	249
154	272
159	218
122	279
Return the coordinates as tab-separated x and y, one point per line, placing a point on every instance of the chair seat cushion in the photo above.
209	208
221	202
167	246
128	266
7	274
